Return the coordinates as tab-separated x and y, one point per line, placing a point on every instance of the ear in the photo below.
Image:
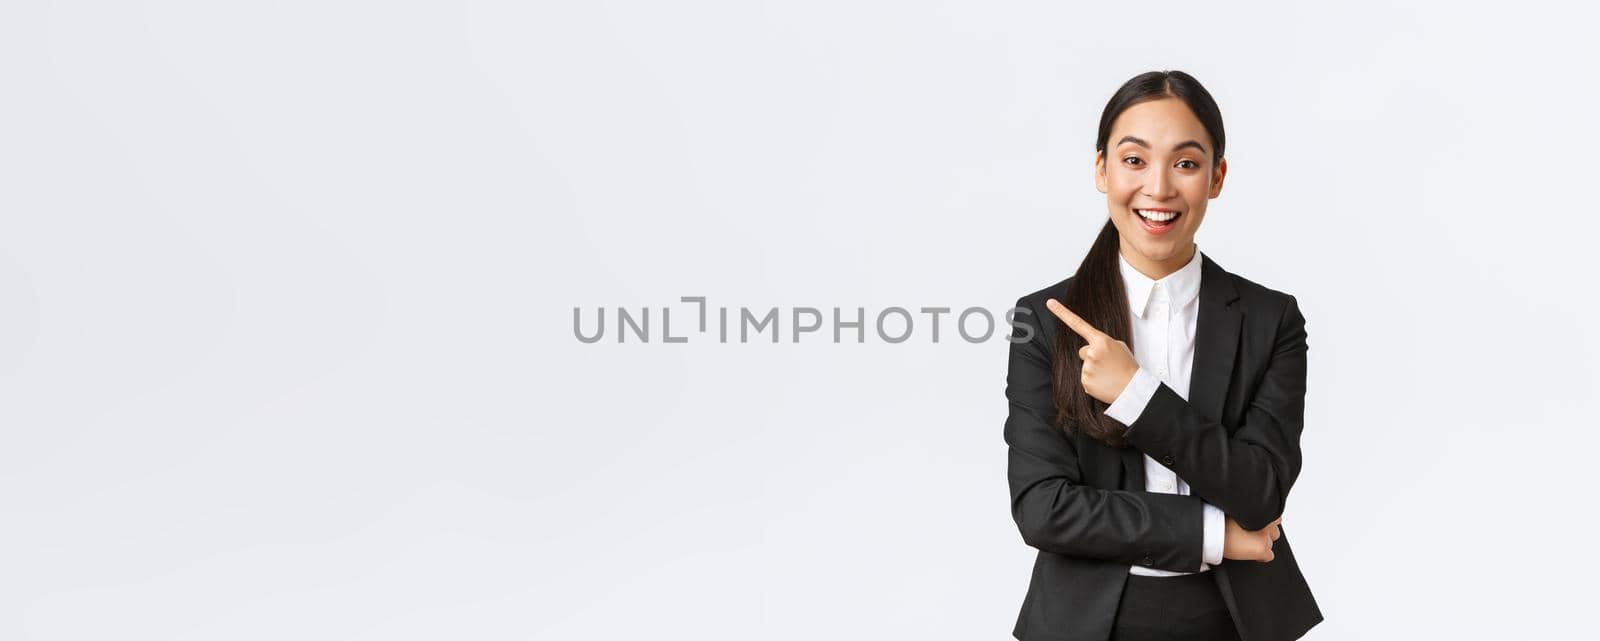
1100	171
1216	180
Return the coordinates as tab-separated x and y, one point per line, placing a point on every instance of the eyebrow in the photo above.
1140	142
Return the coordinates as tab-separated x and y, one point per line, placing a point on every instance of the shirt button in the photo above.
1165	485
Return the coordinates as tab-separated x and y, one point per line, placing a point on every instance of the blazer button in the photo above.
1146	561
1168	460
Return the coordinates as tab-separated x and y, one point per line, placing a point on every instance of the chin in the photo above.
1160	250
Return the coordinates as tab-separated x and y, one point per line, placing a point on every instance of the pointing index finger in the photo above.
1082	327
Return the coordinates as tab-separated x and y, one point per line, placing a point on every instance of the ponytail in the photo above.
1098	295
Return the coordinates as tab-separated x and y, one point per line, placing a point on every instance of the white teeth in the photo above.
1158	216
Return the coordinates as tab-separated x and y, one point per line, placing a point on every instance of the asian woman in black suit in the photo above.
1156	405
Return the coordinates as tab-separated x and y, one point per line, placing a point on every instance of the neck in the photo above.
1157	269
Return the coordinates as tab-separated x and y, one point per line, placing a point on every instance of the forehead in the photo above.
1161	123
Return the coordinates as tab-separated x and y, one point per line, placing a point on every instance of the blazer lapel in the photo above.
1216	342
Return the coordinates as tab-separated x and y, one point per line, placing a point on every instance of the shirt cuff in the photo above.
1215	529
1130	403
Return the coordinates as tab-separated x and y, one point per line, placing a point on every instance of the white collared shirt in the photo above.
1164	316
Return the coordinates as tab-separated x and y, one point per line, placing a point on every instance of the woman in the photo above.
1156	404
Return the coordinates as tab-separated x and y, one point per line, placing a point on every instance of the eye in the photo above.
1192	164
1132	160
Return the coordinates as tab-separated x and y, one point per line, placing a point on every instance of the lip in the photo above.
1153	230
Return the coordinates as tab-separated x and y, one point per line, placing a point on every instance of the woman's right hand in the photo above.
1245	545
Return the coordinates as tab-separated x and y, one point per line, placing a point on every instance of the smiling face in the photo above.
1158	162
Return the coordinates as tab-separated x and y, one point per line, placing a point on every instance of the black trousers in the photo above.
1187	607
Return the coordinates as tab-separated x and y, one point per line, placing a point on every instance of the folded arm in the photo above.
1248	474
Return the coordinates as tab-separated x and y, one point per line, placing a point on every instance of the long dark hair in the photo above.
1097	293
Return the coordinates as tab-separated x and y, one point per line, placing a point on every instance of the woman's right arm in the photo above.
1052	507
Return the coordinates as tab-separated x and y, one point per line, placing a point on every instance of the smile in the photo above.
1157	221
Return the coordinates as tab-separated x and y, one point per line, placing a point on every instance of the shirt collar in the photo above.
1178	288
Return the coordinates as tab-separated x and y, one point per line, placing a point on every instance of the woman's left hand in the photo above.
1108	364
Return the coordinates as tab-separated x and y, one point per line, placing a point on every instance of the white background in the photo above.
287	350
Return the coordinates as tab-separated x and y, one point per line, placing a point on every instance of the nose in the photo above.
1158	185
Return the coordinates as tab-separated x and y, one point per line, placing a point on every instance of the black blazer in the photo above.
1236	441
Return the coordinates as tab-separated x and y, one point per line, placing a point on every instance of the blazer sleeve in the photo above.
1247	474
1053	508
